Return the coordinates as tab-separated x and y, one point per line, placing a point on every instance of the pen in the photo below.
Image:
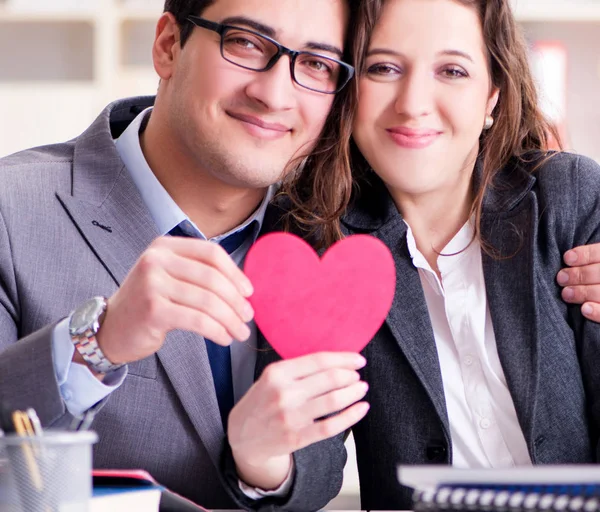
35	421
83	422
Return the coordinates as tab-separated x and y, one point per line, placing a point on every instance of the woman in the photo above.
480	363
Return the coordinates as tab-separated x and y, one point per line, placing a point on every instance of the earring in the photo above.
489	122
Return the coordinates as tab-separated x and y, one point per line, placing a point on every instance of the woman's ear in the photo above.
492	101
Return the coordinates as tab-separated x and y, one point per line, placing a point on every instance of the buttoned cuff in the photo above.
79	388
281	492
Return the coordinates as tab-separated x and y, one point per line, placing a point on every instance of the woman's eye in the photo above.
454	73
382	70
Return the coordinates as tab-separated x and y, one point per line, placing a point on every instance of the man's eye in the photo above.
244	42
241	42
318	65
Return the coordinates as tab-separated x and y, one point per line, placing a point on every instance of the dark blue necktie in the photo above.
219	357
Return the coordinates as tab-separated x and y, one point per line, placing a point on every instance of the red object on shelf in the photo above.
549	65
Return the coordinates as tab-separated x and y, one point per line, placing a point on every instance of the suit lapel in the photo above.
185	361
110	214
508	223
119	229
105	203
511	297
408	320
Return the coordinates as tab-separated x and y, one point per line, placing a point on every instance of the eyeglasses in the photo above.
257	52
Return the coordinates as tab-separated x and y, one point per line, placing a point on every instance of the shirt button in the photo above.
468	360
67	395
485	423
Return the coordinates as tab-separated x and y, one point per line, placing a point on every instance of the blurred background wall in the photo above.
62	61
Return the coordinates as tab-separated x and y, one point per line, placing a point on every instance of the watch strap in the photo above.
88	347
84	336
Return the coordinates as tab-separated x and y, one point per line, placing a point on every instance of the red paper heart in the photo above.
304	305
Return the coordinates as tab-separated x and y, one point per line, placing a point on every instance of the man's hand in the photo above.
178	283
277	415
582	279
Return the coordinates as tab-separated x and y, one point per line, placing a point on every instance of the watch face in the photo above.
86	314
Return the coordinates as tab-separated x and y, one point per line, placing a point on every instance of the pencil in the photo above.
23	428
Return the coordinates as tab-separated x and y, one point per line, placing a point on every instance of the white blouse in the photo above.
483	422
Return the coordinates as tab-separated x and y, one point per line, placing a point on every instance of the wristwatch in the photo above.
83	327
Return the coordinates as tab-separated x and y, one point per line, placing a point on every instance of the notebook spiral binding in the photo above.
494	500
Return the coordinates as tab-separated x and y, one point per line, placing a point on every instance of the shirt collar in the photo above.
460	245
163	209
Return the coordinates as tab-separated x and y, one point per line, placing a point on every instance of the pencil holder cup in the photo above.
48	473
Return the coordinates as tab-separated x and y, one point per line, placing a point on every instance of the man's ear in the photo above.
166	45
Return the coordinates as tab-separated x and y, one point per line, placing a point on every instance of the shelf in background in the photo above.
67	51
136	42
140	10
17	15
142	14
68	61
34	115
525	11
123	11
560	11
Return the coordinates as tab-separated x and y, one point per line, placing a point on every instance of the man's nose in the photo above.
275	87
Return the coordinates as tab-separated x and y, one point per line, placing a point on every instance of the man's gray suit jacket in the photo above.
72	224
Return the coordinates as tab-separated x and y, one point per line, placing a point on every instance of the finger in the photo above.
336	401
581	294
301	367
583	255
285	395
205	301
585	275
324	382
332	426
189	319
205	276
591	310
211	254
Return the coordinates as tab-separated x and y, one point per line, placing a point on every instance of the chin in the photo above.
409	183
250	178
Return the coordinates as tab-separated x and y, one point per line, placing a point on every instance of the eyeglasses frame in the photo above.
222	29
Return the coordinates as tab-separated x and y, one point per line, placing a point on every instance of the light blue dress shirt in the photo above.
78	386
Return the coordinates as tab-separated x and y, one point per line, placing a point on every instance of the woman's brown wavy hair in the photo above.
321	193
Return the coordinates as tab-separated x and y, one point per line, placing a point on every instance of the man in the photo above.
154	210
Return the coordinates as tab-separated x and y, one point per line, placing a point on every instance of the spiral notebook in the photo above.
543	488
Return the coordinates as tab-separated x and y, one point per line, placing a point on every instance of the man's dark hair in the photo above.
181	9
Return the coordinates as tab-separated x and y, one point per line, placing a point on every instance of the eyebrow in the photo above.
457	53
249	22
325	48
386	51
271	32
